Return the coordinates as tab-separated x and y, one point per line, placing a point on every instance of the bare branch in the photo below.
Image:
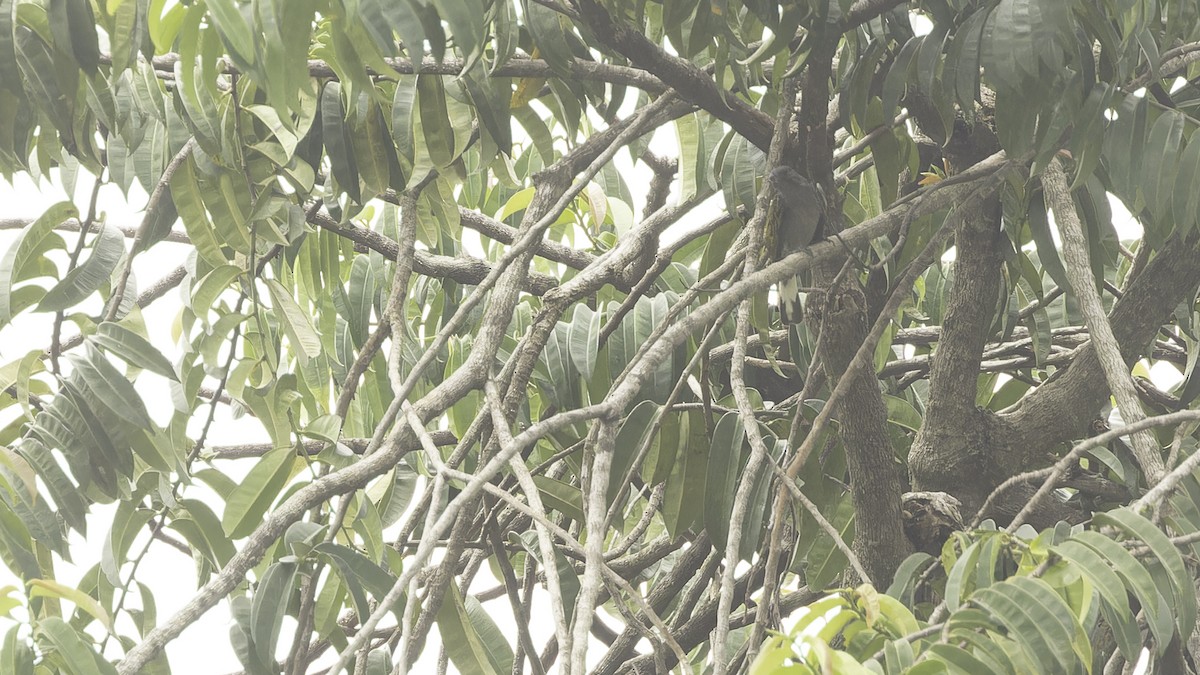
1079	273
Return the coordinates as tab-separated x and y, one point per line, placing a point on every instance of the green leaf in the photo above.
359	575
79	658
269	606
902	413
1186	202
584	338
16	656
549	34
89	276
110	388
48	588
198	95
205	293
1140	528
1161	163
296	322
825	560
127	524
629	440
1032	625
40	78
30	243
10	76
1039	227
81	24
465	647
563	497
132	348
234	28
67	497
402	117
466	21
434	120
491	99
1135	577
724	468
185	192
336	136
246	506
202	529
683	500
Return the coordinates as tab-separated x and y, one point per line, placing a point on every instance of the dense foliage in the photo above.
517	395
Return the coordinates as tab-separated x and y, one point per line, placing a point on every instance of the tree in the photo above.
474	348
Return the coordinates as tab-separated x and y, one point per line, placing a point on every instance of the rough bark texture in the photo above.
950	450
969	455
1062	408
876	478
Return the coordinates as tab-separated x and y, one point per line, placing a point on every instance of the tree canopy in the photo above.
497	282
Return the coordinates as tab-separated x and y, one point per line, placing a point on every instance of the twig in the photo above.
1052	474
156	196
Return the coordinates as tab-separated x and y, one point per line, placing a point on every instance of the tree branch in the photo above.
1079	273
684	77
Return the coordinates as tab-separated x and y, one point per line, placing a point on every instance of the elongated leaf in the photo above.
132	348
337	140
269	606
562	497
16	656
79	658
14	266
48	588
724	467
465	647
629	441
360	575
205	293
81	24
127	523
584	338
202	529
90	275
434	120
1181	585
1033	626
234	28
110	388
39	76
296	323
67	498
248	503
10	78
1136	578
185	193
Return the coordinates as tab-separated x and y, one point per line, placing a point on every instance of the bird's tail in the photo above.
790	308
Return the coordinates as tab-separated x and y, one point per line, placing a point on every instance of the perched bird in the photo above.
800	209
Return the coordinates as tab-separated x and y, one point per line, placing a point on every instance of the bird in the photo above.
800	220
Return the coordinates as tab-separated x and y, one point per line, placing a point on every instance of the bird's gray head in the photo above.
785	178
793	187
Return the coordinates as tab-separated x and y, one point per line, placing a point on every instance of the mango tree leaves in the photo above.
473	641
109	386
246	506
90	275
25	259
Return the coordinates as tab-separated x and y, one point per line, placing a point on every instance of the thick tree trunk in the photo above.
950	451
876	475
